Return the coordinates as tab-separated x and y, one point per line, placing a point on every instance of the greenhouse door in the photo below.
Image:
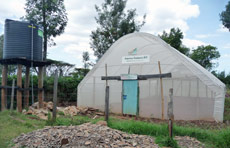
130	97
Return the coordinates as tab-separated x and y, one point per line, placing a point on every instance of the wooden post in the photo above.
40	86
107	103
106	97
12	96
4	90
55	95
162	94
19	92
170	113
26	86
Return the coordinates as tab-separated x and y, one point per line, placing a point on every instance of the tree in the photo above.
1	45
63	68
223	77
225	16
204	55
113	23
85	60
51	15
174	38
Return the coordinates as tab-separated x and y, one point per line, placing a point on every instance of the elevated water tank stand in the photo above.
22	62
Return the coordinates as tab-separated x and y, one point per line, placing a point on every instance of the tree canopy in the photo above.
205	56
85	60
174	38
63	68
51	15
225	16
113	23
1	45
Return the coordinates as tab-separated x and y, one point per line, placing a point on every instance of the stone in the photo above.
87	143
86	135
64	141
69	110
104	123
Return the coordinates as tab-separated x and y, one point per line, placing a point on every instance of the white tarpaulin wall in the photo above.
198	95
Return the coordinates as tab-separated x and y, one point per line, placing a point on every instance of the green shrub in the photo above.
166	141
223	140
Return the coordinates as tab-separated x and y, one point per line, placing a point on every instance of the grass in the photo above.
212	138
227	109
166	141
12	124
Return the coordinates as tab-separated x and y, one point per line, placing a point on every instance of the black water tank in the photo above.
18	40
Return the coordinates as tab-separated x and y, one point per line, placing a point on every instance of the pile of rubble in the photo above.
85	135
188	142
42	113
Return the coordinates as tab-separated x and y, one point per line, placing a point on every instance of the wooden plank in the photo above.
170	104
4	90
106	97
107	103
170	113
40	86
164	75
110	78
140	77
12	96
26	86
162	94
19	85
106	74
55	96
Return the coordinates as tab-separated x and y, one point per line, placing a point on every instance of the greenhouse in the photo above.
197	94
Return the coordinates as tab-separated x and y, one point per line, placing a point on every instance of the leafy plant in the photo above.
113	23
166	141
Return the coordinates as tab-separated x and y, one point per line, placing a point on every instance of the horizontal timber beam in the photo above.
140	77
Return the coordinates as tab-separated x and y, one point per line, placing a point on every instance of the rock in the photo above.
35	105
87	143
70	110
134	144
104	123
86	135
50	105
64	141
188	142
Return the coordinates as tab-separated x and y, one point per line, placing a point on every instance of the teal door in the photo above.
130	97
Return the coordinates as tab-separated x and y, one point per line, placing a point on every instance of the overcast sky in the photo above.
198	19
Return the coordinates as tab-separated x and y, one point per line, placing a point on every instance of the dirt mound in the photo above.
85	135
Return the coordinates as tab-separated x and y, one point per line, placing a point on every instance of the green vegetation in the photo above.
12	124
174	38
114	21
203	55
227	110
166	141
51	15
212	138
225	16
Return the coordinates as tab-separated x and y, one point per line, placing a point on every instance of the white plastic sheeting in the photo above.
198	95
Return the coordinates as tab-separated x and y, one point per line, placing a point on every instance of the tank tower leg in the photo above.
26	86
40	86
19	85
4	90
